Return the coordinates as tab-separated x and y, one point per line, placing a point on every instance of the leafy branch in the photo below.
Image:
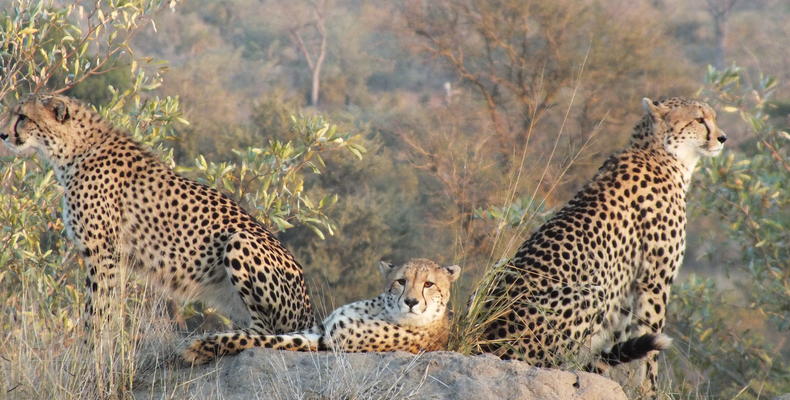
271	179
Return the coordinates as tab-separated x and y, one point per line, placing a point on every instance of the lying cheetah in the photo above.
597	275
411	315
121	203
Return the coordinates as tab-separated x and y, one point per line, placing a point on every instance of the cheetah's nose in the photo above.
411	302
722	138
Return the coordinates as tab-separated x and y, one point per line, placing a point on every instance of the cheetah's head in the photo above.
46	123
418	291
686	128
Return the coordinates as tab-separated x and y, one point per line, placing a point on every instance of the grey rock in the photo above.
271	374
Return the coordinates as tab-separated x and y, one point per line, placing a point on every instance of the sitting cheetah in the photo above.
120	203
411	315
597	275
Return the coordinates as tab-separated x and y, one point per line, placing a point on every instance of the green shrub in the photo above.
734	340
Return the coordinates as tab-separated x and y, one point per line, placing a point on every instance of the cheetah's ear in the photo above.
385	267
454	271
59	109
654	108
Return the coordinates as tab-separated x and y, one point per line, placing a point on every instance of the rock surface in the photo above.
270	374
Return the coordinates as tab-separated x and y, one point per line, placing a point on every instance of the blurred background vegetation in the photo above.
449	129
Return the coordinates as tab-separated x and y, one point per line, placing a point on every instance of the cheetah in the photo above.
596	277
121	203
411	315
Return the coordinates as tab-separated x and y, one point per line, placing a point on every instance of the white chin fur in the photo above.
413	312
24	149
414	319
712	152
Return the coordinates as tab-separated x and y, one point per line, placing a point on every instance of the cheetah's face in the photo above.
690	128
37	123
418	291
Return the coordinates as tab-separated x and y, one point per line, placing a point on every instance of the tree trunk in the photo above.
719	10
719	26
319	62
314	61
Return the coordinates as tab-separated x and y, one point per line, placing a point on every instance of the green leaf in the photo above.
281	223
201	163
316	231
27	31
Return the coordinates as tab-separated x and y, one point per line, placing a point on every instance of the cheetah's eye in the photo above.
701	120
401	282
428	284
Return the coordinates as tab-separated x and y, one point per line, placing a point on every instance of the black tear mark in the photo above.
707	137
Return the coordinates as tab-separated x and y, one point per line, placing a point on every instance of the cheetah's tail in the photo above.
629	350
204	349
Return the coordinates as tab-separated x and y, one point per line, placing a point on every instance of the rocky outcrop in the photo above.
270	374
